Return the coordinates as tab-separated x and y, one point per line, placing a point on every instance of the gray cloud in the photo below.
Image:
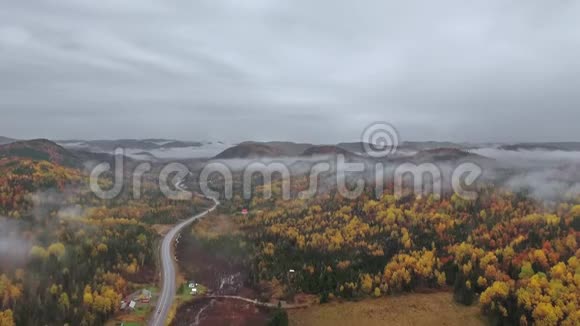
300	70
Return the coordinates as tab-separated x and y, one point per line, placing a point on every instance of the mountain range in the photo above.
71	151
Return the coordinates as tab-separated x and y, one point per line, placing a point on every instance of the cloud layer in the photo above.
298	70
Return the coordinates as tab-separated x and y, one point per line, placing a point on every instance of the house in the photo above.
145	296
132	304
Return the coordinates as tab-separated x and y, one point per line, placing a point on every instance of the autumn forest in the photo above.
74	257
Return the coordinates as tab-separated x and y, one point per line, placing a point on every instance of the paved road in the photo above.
168	269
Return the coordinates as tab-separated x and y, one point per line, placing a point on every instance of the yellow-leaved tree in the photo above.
6	318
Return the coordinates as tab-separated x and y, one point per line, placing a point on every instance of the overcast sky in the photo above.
308	70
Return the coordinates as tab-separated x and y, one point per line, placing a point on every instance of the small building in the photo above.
132	304
145	296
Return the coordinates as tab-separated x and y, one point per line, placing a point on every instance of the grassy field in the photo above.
408	309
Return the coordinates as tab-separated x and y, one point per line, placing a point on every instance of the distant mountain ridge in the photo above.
163	148
355	147
39	150
446	154
144	144
406	146
287	148
549	146
149	149
46	150
419	151
6	140
427	145
253	150
250	150
326	150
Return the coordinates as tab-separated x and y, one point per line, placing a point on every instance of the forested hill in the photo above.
66	256
39	150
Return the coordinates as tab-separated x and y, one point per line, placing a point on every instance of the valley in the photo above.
302	163
269	259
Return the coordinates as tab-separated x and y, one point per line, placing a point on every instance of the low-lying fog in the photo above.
545	174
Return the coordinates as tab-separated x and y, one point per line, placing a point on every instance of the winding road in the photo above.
168	269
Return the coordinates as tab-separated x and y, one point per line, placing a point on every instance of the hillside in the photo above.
326	150
356	147
40	150
427	145
249	150
288	148
446	154
6	140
